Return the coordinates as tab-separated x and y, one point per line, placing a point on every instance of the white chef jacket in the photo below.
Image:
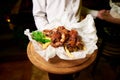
46	11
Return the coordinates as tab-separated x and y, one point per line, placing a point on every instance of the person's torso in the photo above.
57	8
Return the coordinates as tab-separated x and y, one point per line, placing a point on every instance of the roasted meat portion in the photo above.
74	42
62	37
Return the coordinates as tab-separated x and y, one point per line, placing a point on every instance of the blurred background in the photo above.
15	17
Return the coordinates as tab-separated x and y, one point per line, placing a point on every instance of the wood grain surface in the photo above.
57	65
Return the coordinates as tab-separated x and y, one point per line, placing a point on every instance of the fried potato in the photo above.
68	53
44	46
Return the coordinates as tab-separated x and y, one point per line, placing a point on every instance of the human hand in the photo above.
104	15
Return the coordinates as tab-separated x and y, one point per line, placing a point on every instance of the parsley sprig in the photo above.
40	37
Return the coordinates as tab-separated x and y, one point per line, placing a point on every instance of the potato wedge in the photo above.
68	53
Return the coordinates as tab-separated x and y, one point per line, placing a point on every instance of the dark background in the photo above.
12	32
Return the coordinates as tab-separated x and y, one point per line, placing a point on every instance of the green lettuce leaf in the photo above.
40	37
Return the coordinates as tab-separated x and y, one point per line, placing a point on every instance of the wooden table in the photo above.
58	68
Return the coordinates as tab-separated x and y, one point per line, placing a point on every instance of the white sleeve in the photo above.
89	11
39	14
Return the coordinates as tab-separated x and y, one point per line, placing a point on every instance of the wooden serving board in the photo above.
57	65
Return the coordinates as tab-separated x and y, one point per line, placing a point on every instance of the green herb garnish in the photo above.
40	37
